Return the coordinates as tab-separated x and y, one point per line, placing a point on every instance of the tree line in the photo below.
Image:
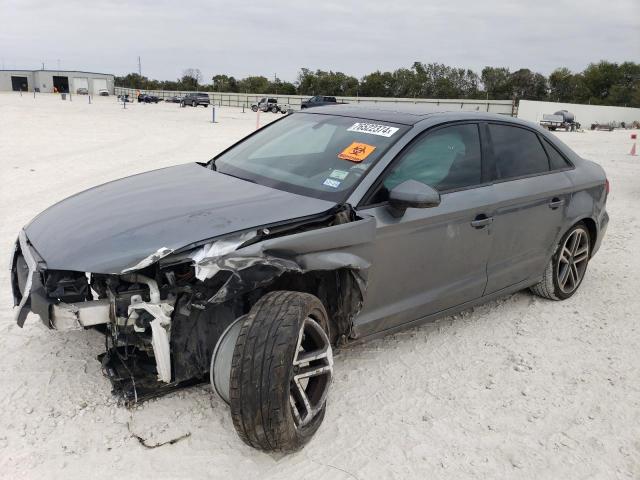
602	83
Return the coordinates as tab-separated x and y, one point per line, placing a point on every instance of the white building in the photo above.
48	81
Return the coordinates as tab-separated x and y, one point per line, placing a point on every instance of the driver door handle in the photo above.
481	221
556	202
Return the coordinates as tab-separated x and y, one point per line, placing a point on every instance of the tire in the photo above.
274	109
194	104
205	105
182	105
254	108
568	265
267	406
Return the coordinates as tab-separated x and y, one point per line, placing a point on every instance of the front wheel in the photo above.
194	104
274	109
254	108
281	372
567	267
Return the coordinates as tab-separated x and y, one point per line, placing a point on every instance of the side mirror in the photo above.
412	194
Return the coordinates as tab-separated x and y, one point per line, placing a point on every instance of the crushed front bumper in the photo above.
26	282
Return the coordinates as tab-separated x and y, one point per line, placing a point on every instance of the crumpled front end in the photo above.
163	316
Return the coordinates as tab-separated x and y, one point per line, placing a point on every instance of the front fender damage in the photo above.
163	316
330	259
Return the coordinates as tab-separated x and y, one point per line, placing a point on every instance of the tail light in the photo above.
606	185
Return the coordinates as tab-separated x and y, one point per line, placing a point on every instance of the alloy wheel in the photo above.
311	373
573	260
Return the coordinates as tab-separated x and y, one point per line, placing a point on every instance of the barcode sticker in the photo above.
373	129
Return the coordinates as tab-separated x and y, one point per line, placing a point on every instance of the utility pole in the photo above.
275	81
42	65
139	66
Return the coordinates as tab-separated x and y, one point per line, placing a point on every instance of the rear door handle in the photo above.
481	221
556	202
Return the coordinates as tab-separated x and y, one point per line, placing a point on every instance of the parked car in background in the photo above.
82	91
124	98
103	92
321	229
320	101
174	99
146	98
195	99
270	105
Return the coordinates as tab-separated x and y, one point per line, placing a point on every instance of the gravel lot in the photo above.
517	388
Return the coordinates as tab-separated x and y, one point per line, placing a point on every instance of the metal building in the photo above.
49	81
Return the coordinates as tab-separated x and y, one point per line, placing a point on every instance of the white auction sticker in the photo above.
373	129
339	174
329	182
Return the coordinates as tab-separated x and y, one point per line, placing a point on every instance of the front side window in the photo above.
321	156
517	152
446	159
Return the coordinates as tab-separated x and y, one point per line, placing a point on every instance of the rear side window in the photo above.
517	152
556	161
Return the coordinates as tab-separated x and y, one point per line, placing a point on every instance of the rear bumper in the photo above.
603	223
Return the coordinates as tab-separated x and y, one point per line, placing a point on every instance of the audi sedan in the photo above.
324	228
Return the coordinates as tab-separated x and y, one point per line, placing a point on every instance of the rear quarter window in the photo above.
556	160
517	152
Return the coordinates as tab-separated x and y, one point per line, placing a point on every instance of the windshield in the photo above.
321	156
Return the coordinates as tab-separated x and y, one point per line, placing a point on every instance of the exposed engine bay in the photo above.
162	317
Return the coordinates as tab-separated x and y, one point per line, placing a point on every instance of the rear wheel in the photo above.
567	267
281	372
194	104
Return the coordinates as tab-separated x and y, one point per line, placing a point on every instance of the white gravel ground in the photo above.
518	388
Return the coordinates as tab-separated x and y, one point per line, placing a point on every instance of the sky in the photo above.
278	37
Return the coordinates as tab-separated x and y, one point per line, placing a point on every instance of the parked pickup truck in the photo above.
270	105
561	119
320	101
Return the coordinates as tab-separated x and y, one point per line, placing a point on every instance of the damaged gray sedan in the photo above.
324	228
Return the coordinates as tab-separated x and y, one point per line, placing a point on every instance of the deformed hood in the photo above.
114	226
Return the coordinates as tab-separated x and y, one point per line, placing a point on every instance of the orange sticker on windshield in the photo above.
356	152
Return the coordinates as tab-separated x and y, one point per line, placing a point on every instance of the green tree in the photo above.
527	85
497	83
378	84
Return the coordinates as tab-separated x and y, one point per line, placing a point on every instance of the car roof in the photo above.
407	114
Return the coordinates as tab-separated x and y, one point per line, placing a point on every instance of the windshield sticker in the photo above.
356	152
373	129
339	174
331	183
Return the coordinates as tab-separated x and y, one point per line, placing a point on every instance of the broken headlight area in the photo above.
159	328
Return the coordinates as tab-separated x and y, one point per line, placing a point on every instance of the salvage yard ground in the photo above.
519	388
